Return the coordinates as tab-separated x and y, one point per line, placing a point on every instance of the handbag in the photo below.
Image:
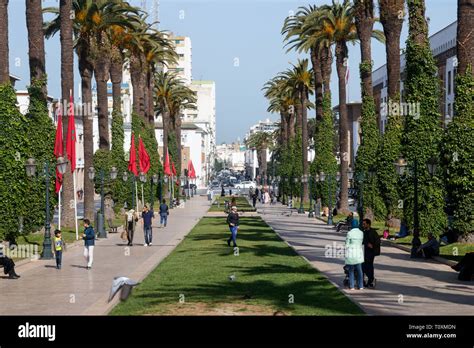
124	235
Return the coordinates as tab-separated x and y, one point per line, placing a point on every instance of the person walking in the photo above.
233	222
130	222
147	215
164	212
267	197
355	255
89	241
58	247
257	193
371	249
7	263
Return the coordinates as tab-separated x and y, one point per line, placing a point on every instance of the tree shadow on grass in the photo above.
318	296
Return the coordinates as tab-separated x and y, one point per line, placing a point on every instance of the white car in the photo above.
246	185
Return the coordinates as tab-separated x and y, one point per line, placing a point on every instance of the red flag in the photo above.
143	157
191	171
166	167
71	137
173	169
132	163
58	148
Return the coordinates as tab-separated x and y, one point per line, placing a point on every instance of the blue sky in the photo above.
221	32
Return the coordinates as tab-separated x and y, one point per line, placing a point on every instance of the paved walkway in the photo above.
404	286
74	290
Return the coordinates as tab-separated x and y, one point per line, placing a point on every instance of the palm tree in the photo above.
280	101
182	98
64	25
101	16
4	51
164	84
465	37
300	77
391	17
36	55
260	141
300	36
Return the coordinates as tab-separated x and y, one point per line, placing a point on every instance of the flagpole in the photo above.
136	194
75	203
143	199
59	207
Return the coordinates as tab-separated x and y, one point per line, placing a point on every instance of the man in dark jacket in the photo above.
164	212
89	241
147	216
233	222
371	249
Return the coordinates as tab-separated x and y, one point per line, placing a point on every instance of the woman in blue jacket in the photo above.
355	254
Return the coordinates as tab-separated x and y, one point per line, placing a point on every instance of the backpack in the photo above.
377	243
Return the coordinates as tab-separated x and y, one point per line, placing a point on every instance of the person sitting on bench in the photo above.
430	248
347	222
7	263
465	267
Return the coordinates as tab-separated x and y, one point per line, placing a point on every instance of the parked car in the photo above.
246	185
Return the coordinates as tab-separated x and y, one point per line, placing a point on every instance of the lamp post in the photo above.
30	167
304	179
101	215
295	180
125	179
330	177
167	180
400	165
160	188
311	211
154	180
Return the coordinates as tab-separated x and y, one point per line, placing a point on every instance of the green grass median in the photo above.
196	278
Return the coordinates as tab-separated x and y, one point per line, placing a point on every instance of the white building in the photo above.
184	66
443	48
232	155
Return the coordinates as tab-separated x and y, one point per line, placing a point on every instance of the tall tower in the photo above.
156	4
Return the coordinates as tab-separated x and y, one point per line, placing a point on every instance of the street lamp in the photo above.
322	177
125	179
311	211
101	215
154	180
304	180
400	166
30	168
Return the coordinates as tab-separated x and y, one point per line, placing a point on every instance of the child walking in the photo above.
59	247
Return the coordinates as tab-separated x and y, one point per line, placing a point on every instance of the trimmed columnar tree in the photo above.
422	136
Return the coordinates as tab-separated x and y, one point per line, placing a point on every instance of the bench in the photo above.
112	227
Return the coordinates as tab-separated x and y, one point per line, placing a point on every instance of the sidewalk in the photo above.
404	286
74	290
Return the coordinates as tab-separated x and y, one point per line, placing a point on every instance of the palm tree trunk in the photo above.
465	36
101	71
67	86
263	165
364	20
304	139
177	132
166	120
136	76
86	69
341	54
284	128
291	125
318	80
4	50
116	67
326	69
151	105
418	27
146	96
391	17
34	24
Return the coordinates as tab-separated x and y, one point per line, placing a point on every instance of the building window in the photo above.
449	110
177	42
449	82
